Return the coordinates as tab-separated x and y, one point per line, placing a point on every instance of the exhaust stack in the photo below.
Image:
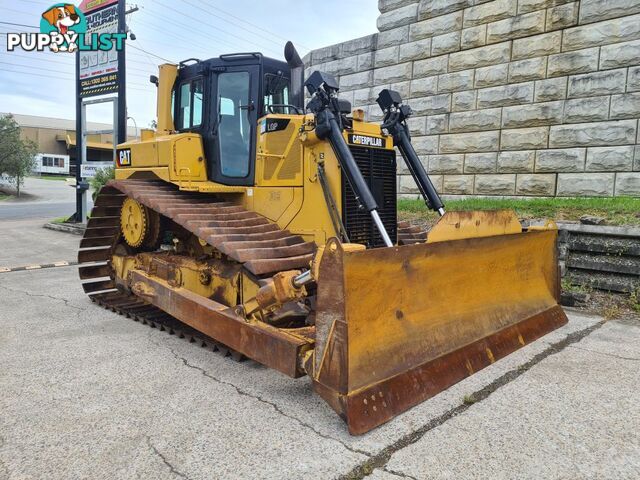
297	75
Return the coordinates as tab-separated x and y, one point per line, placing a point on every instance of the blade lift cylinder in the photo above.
324	104
395	116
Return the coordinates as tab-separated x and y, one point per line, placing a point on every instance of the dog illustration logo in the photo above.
61	20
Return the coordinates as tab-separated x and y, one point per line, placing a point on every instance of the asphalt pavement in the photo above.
43	199
86	393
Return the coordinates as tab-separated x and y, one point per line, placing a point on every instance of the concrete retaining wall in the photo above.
511	97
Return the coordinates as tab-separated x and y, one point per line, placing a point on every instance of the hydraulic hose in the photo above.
395	116
354	176
325	106
414	165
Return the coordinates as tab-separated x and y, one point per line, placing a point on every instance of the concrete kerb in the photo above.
72	228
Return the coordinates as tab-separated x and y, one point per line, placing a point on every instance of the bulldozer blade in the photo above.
396	326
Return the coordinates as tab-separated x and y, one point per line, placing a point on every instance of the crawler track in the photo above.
246	237
409	234
133	307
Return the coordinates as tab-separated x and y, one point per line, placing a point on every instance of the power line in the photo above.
58	62
37	74
15	11
166	32
149	53
210	12
19	25
256	26
31	26
136	87
31	1
206	11
233	23
56	71
206	35
42	59
173	10
72	77
148	58
148	70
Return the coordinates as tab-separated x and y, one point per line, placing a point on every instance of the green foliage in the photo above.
469	399
569	286
616	211
103	175
16	155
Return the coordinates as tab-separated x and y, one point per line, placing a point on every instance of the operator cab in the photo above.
222	99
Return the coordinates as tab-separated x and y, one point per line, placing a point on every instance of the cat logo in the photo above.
366	141
124	158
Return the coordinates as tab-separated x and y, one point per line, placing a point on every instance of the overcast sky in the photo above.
42	83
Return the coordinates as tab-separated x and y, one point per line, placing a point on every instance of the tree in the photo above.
17	156
103	175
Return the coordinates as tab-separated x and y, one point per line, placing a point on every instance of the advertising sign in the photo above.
89	170
99	67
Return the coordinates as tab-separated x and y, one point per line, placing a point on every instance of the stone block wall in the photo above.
510	97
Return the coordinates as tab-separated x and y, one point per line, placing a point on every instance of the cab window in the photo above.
198	103
234	128
173	108
191	105
276	92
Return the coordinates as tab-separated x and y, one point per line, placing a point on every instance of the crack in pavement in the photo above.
164	459
67	303
606	354
273	405
397	474
3	466
381	459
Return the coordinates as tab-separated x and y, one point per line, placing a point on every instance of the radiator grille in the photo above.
378	168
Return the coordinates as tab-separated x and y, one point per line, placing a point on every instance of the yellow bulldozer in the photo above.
265	225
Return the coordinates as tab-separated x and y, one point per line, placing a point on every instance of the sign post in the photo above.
98	73
122	75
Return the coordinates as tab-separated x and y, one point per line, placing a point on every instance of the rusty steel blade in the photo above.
396	326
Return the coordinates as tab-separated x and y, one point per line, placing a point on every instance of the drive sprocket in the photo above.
139	225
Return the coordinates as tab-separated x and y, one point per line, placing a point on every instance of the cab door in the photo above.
235	116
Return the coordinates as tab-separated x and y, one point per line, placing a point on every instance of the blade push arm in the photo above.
324	105
395	116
